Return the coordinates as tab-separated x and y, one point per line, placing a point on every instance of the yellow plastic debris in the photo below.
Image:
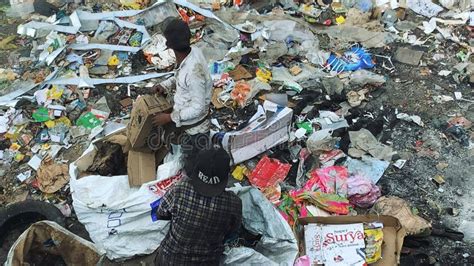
64	120
240	172
133	4
340	20
50	124
264	75
15	146
55	93
113	61
45	147
19	157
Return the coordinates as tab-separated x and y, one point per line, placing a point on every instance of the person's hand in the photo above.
157	89
161	119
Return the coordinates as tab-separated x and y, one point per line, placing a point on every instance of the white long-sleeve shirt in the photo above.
192	97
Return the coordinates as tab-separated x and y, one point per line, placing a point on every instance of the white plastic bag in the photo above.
120	220
278	243
172	163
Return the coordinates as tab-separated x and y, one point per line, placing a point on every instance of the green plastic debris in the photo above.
41	115
292	86
88	120
462	56
306	125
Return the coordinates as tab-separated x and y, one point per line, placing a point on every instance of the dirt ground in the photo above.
409	89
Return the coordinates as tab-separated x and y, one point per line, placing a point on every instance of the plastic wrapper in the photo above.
332	179
354	59
264	75
273	193
241	92
373	242
330	202
268	172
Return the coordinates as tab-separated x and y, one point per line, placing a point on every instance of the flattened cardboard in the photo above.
141	167
140	124
258	136
393	233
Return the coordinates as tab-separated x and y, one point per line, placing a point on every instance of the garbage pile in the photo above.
295	85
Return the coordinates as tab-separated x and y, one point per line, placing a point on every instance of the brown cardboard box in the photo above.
392	230
140	124
141	167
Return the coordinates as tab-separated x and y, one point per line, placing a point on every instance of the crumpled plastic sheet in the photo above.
278	243
368	39
364	140
363	77
246	256
362	192
297	31
368	167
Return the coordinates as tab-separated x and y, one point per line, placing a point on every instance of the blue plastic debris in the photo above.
356	58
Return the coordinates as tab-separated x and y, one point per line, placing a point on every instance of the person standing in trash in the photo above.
191	87
202	213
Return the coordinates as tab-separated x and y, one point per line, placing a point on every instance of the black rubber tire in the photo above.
28	211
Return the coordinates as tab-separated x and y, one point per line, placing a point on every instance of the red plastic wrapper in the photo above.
268	172
332	180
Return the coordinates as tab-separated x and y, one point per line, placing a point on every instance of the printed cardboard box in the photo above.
393	232
140	125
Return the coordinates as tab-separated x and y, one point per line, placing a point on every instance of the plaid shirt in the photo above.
199	225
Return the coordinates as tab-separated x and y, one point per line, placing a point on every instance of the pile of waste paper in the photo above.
291	84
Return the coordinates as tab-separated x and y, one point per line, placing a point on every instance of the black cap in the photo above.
177	34
209	171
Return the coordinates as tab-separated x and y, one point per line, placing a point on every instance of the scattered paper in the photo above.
52	177
444	73
457	95
35	162
400	163
411	118
23	176
424	7
96	81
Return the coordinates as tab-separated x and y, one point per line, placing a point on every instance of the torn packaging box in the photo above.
140	124
393	234
141	167
259	136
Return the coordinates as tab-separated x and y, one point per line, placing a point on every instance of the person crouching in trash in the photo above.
202	214
191	87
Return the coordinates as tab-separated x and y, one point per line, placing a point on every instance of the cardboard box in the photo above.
141	167
393	232
266	132
140	124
